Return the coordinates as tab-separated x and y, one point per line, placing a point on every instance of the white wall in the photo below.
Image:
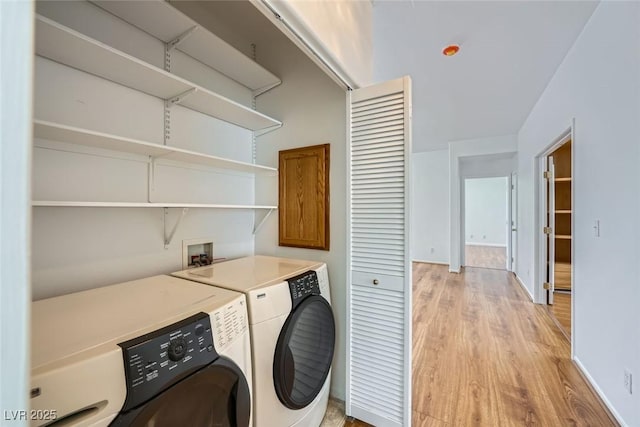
491	148
598	85
81	248
485	211
313	109
340	30
489	165
430	206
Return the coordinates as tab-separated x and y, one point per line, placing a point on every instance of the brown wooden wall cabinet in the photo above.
304	197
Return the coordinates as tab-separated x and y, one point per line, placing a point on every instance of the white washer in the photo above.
292	334
158	350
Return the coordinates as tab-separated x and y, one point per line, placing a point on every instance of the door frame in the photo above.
512	221
539	248
16	67
463	214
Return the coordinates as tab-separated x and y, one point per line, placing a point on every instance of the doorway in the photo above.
486	222
558	181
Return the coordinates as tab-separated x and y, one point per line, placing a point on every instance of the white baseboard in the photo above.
430	262
599	391
493	245
519	280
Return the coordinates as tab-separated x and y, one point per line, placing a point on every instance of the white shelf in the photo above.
64	45
87	138
77	204
163	21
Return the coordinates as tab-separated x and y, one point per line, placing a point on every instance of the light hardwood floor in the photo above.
485	355
485	256
561	310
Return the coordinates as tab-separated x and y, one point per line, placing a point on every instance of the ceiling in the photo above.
509	52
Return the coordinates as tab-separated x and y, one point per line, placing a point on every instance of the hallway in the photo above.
485	256
484	355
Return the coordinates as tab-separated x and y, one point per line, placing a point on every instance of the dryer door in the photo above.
304	352
217	395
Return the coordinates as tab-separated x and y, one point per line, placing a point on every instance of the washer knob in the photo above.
177	349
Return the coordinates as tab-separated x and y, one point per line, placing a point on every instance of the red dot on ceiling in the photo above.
450	50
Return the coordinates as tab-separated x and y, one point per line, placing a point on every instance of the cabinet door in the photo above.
304	197
379	283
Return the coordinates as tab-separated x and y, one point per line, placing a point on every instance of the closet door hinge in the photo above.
547	230
546	285
547	174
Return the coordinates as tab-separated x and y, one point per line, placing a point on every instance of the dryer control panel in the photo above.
155	361
302	286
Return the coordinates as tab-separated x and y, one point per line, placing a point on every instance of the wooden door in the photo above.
379	266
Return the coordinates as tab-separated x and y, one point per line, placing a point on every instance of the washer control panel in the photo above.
229	322
155	361
302	286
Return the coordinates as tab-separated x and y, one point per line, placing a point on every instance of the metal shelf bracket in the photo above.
182	37
179	98
267	130
151	179
169	237
256	93
262	221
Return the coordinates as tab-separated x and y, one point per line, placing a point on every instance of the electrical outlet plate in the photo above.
628	381
194	248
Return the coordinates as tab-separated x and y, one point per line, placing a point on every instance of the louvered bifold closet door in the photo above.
379	296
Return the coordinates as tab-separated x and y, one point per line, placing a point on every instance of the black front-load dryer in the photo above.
175	377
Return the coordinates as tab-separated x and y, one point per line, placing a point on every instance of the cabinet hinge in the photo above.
547	230
546	285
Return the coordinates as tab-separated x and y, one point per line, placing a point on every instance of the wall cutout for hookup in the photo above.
197	252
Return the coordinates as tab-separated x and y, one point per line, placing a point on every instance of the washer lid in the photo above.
69	324
246	274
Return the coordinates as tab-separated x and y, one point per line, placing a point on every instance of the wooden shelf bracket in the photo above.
169	237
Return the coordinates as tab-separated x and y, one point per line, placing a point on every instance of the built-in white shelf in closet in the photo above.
69	47
78	204
160	19
69	134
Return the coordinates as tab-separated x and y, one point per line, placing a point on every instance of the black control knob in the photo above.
177	349
199	330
